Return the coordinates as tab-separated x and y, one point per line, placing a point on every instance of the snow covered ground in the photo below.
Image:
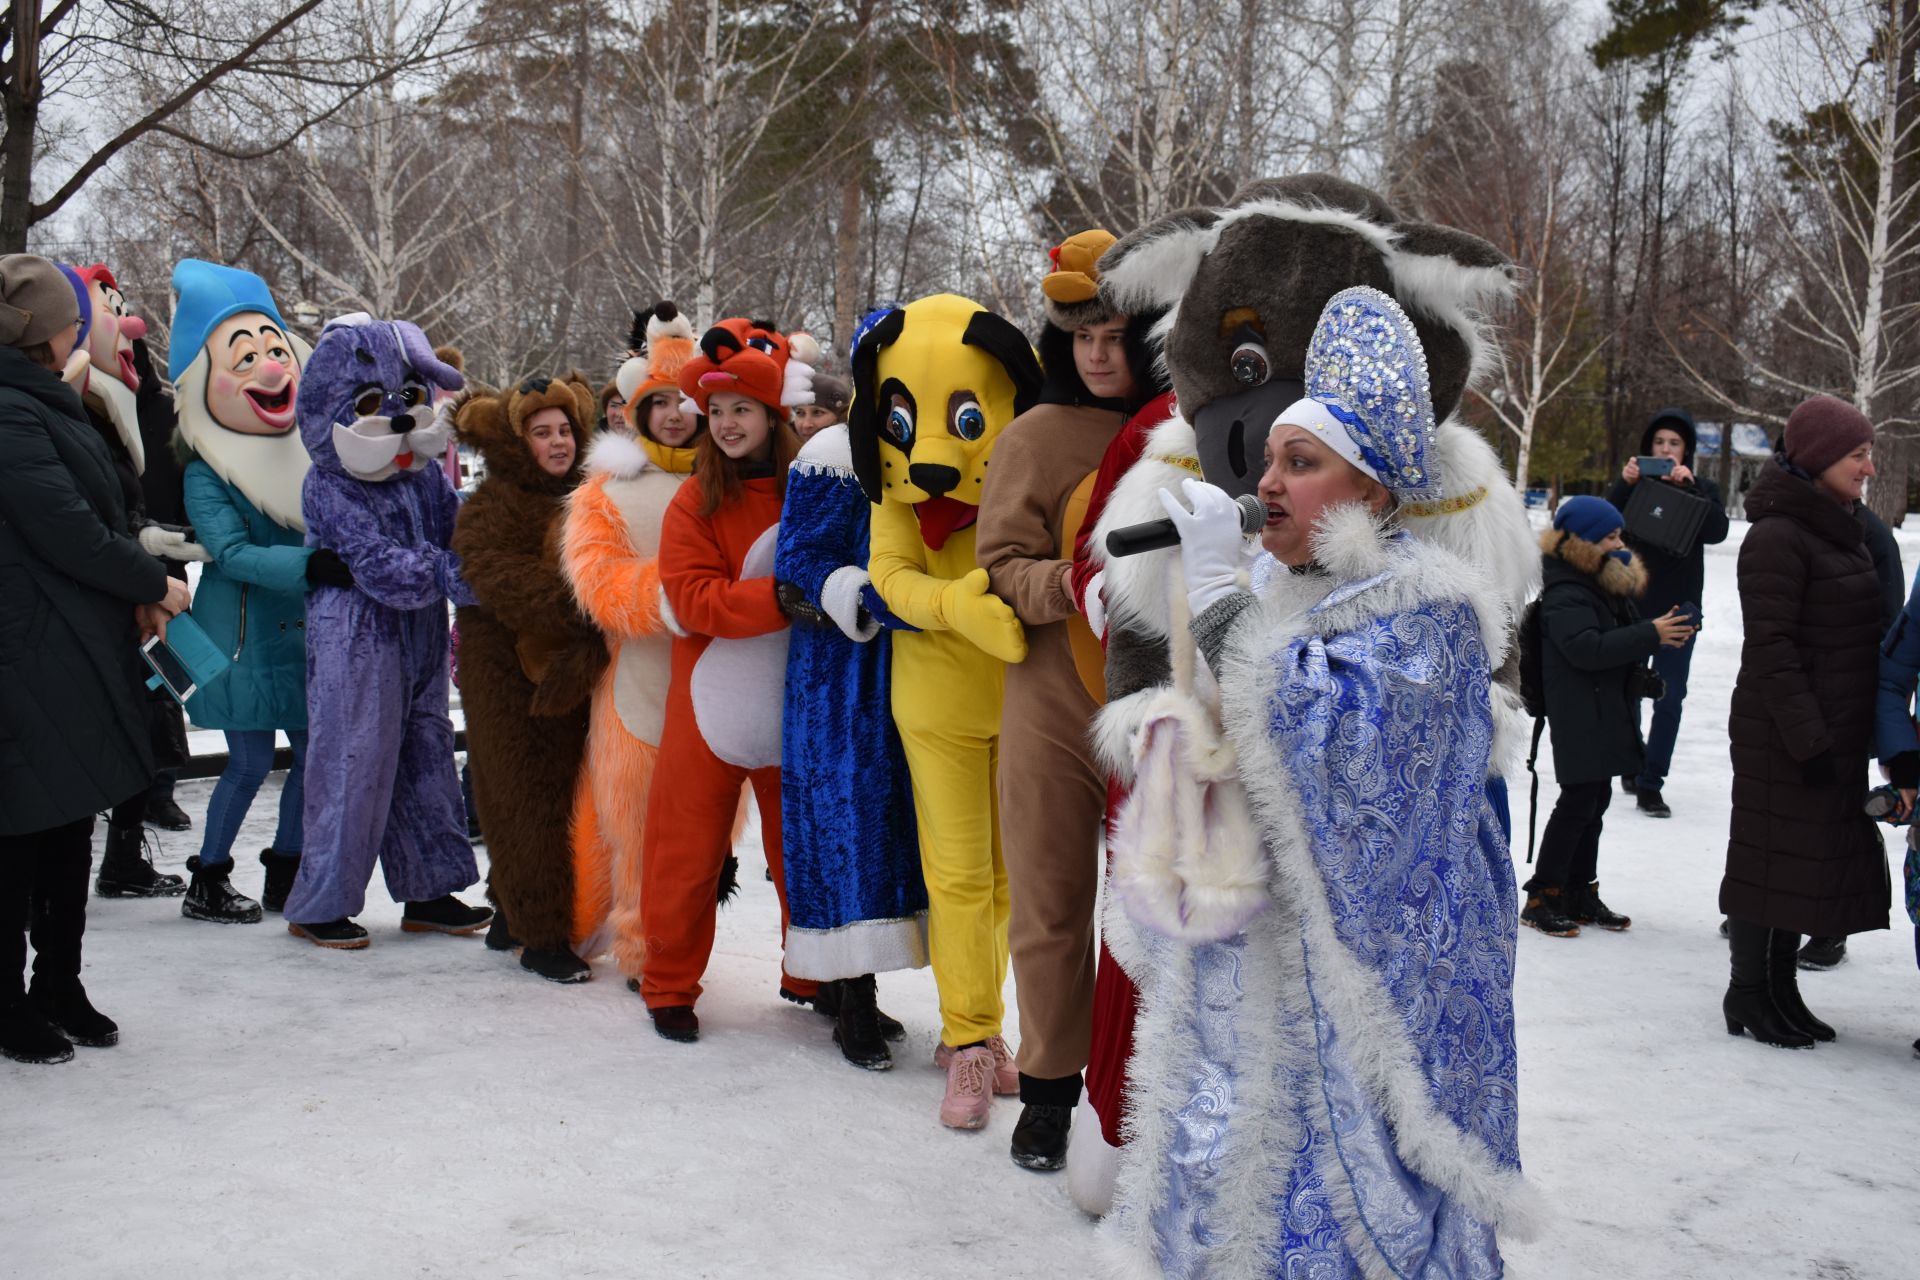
426	1108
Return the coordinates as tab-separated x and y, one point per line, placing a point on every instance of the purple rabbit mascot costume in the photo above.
380	768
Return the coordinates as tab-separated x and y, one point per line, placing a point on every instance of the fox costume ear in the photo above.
1151	268
997	336
866	412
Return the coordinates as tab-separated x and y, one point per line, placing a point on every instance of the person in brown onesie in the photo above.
529	660
1053	794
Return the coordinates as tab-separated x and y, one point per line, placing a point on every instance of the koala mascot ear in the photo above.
586	409
1452	278
996	335
1151	268
864	415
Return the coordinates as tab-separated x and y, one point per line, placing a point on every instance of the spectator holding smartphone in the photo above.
1671	580
79	590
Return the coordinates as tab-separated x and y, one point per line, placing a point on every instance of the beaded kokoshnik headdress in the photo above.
1368	395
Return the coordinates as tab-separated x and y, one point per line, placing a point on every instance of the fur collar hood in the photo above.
1626	581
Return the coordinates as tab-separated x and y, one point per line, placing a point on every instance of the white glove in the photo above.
169	544
1211	544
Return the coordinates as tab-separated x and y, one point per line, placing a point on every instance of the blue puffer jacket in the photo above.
252	602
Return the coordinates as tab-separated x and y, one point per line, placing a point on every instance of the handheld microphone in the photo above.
1155	534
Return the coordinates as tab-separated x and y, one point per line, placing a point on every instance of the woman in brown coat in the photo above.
1803	857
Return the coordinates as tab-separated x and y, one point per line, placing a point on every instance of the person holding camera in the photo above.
1803	857
74	732
1594	674
1666	457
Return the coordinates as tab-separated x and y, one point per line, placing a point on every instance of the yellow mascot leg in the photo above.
956	803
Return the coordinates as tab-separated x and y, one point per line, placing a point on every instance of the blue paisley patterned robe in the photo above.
852	854
1332	1093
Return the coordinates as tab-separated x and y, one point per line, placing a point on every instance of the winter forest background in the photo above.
1712	201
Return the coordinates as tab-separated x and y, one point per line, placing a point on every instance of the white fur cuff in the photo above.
840	600
667	617
1094	604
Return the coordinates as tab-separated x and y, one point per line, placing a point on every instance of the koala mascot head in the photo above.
933	384
1246	284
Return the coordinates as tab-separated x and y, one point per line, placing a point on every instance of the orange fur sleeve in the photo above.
618	589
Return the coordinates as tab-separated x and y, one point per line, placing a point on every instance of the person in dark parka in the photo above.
1594	653
74	733
1802	857
1671	580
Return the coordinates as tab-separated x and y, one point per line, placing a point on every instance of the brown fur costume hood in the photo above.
495	423
1628	581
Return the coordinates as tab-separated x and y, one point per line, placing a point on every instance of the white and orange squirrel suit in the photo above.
609	551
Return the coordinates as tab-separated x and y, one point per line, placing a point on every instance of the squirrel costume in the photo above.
729	664
854	886
934	384
1052	791
236	373
609	550
529	661
380	782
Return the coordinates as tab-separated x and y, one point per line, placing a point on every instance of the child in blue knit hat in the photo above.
1593	673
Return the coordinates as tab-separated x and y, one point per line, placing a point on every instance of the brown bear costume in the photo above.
529	660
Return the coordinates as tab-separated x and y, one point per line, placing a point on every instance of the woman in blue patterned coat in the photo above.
1325	1082
854	888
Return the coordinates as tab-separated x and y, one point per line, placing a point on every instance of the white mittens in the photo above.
1211	544
170	544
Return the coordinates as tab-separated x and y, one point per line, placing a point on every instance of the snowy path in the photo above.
426	1108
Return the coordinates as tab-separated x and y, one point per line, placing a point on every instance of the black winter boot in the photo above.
64	1003
212	896
335	935
1545	913
1040	1137
1583	906
555	964
282	870
499	935
165	814
444	914
27	1036
826	1003
676	1022
1784	985
126	868
1821	954
1652	803
856	1029
1749	1004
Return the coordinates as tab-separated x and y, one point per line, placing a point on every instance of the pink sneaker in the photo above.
969	1089
1006	1077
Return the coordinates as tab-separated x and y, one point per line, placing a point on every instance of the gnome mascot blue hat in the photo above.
206	294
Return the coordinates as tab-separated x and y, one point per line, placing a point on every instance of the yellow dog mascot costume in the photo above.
934	382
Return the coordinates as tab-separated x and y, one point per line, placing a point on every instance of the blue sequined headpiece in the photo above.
1366	364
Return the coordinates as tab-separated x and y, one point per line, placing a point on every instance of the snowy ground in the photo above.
425	1108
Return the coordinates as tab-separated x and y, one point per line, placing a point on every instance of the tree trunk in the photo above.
22	111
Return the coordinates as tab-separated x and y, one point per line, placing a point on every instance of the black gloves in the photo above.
1904	770
1818	772
325	568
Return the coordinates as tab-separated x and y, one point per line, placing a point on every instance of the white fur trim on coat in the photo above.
829	449
1093	604
1136	594
840	600
1092	1165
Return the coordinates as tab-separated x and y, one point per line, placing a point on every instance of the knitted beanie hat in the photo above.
1587	518
1821	431
37	300
1072	288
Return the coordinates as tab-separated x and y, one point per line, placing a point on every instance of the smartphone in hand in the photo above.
1657	468
172	672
